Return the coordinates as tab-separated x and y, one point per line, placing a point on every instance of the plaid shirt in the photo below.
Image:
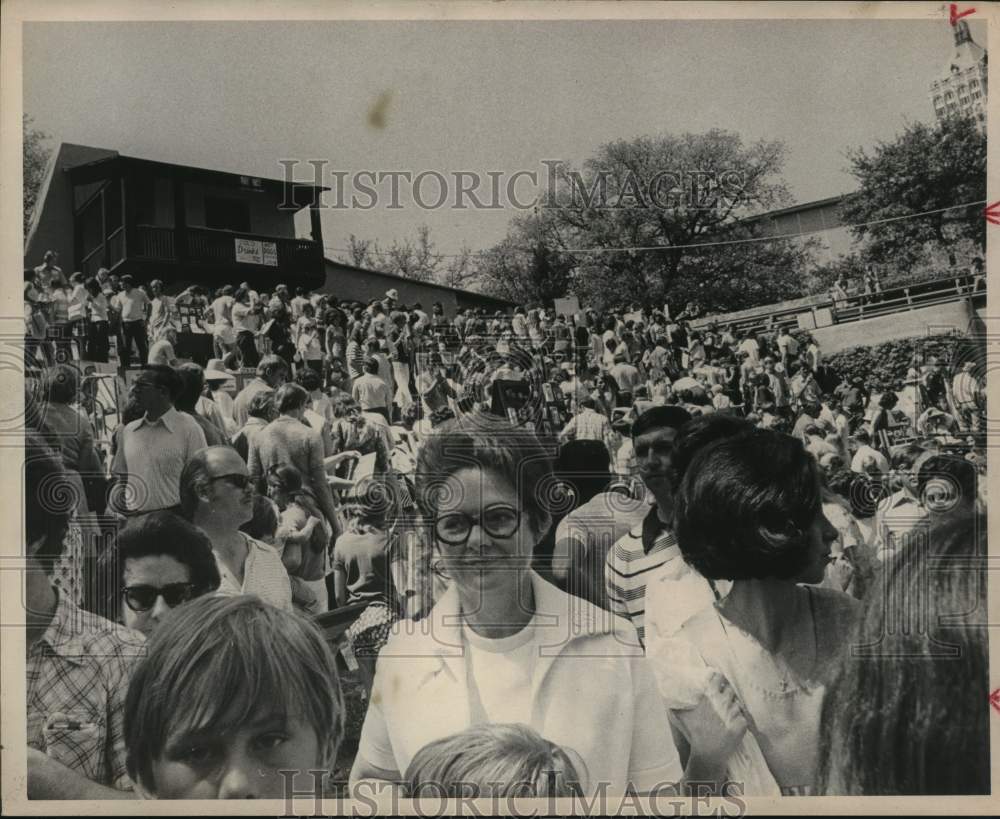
590	426
78	675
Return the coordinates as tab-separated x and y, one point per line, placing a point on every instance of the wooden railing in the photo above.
219	247
154	243
858	306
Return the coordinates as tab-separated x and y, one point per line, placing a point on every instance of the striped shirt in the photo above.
630	566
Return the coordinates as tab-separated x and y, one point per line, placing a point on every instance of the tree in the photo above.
672	196
528	266
411	258
460	270
927	168
36	160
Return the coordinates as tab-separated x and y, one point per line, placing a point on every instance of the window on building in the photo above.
223	213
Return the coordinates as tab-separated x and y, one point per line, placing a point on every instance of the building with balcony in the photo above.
961	86
181	224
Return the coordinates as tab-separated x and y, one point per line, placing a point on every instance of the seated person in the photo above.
78	664
163	561
495	759
243	691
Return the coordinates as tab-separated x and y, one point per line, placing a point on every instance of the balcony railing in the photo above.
219	247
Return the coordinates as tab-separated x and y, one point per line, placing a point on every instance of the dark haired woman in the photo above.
906	714
749	518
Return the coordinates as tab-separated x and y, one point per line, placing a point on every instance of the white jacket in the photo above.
592	691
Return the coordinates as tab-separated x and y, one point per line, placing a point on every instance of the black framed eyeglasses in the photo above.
239	481
499	520
143	598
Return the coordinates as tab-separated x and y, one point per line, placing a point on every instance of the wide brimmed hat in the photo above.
215	371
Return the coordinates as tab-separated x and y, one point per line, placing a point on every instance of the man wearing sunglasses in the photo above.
153	449
217	497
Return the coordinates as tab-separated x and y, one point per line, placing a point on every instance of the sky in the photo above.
475	96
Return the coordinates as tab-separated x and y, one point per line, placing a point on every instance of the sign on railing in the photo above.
254	251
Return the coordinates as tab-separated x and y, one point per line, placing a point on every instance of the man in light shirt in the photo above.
371	392
133	305
162	350
867	459
589	425
900	518
154	449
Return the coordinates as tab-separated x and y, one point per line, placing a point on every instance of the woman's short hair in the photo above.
907	717
287	476
165	533
745	507
492	759
271	364
61	384
264	523
698	433
290	397
482	440
192	379
216	663
343	405
309	379
261	405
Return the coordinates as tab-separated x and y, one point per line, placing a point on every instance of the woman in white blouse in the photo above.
749	518
503	645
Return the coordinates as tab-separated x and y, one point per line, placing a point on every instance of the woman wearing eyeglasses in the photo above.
217	497
503	645
164	561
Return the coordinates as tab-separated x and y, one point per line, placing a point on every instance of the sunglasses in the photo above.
143	598
239	481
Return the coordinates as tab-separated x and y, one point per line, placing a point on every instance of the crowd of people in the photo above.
653	553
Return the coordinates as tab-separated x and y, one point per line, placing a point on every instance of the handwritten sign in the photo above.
568	306
249	251
254	251
269	254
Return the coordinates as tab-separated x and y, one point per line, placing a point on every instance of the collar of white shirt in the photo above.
566	617
168	420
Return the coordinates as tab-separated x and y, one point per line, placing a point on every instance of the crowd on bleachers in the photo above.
719	513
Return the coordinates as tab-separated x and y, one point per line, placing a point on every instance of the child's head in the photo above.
263	526
495	760
231	691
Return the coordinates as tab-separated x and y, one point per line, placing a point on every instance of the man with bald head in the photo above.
217	496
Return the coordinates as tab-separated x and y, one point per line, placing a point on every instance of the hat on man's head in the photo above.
215	371
392	294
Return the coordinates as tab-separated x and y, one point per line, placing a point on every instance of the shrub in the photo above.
884	366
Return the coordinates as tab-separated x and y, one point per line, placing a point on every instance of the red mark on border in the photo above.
995	700
956	15
992	213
